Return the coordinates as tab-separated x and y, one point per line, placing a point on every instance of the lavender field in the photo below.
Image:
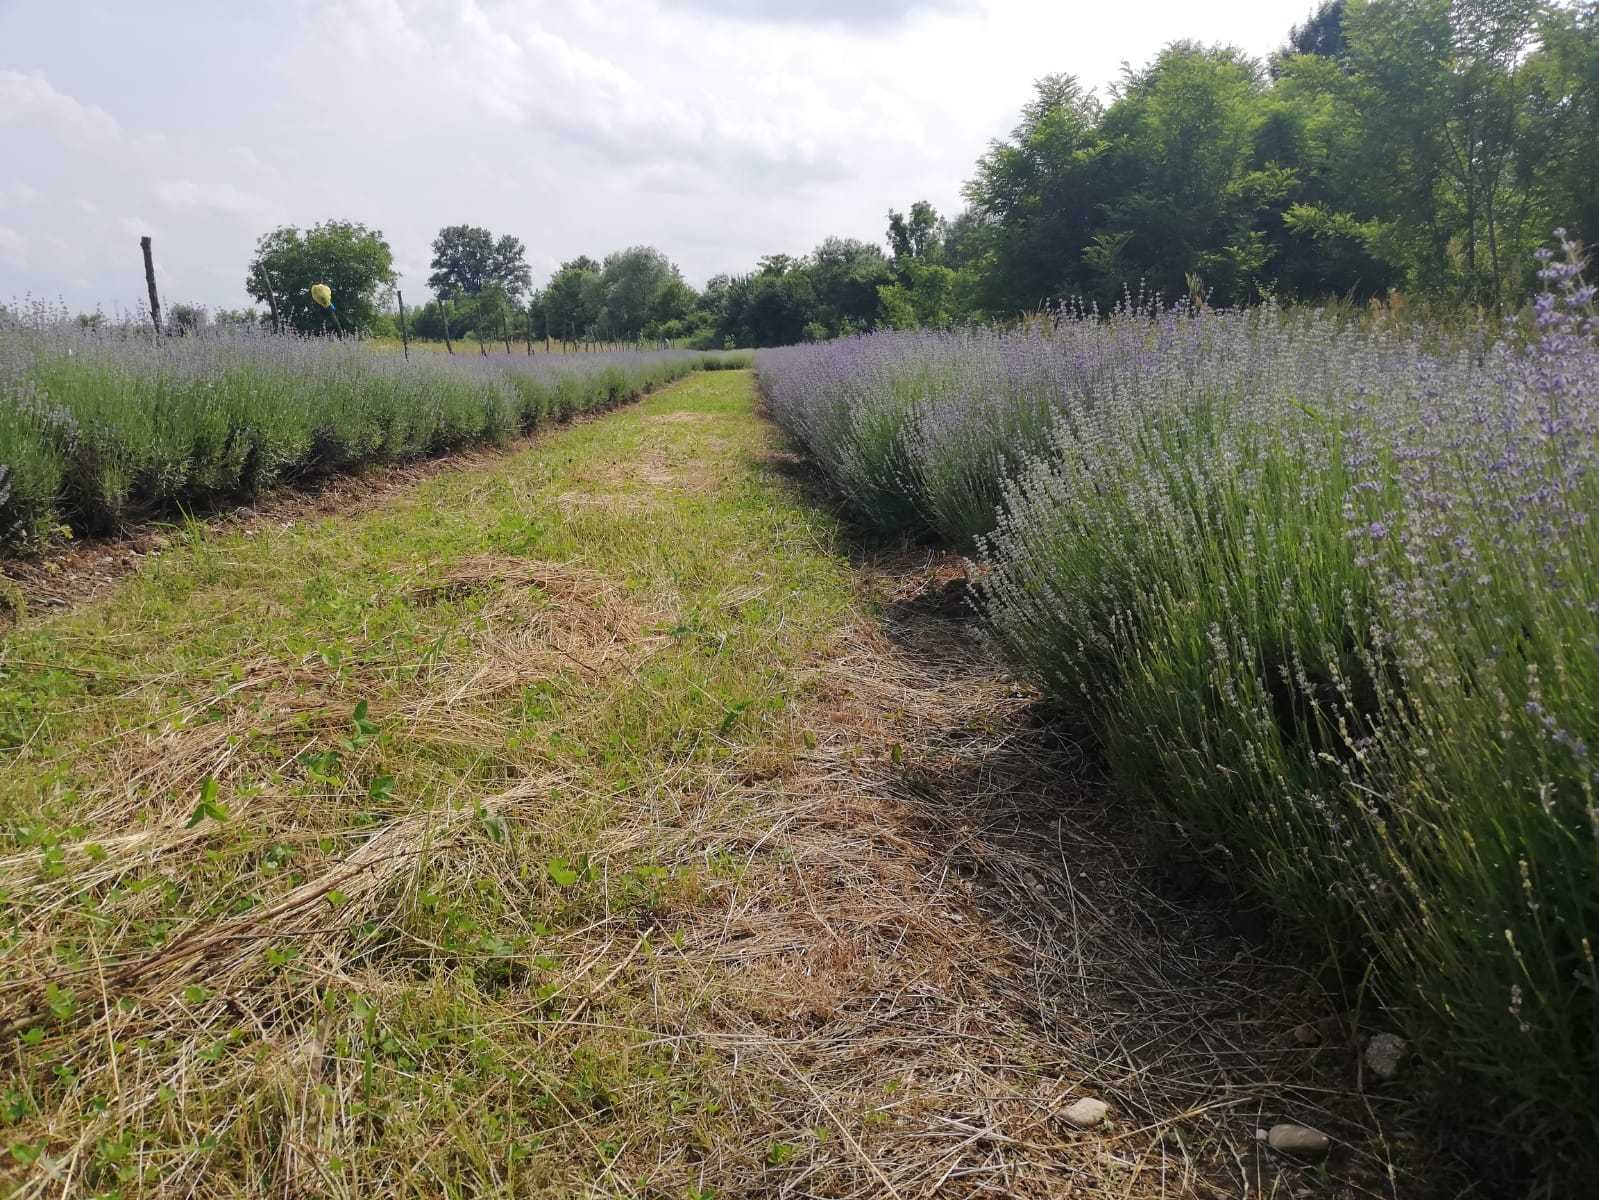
1324	592
102	426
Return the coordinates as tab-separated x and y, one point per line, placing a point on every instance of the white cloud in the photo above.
216	197
864	14
32	100
18	194
13	246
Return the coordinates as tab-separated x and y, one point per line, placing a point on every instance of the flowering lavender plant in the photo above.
100	424
1327	593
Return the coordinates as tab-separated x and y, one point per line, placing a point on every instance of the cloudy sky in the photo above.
718	130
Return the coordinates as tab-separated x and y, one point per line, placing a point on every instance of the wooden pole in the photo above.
405	342
149	279
272	301
505	331
530	331
444	310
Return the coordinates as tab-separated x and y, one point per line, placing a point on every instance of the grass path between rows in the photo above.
595	821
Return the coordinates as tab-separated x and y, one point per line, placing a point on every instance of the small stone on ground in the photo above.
1385	1054
1087	1112
1298	1139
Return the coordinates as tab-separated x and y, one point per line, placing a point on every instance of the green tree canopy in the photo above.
1426	145
468	258
767	308
347	256
1038	198
640	288
1185	190
1322	33
918	235
845	276
571	300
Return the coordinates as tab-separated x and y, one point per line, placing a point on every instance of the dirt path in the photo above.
602	820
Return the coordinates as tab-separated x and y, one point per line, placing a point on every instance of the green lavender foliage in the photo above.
1325	594
102	426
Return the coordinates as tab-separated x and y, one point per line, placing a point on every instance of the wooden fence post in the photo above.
149	279
272	300
405	342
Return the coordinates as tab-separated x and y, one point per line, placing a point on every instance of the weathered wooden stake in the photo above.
272	300
149	279
444	310
405	342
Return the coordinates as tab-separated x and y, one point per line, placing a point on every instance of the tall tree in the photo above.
347	256
767	308
924	291
638	286
571	299
845	275
917	235
1563	95
1322	34
1446	86
1037	198
1331	235
1185	194
468	258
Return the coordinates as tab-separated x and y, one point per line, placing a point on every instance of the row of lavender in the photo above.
1330	595
99	426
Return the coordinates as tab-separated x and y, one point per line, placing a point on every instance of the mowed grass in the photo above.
378	855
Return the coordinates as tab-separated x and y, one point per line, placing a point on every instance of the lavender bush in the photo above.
101	425
1328	594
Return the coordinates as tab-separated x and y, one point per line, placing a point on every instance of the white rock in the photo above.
1087	1112
1298	1139
1385	1054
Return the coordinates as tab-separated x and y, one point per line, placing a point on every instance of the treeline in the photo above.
1419	146
1423	147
